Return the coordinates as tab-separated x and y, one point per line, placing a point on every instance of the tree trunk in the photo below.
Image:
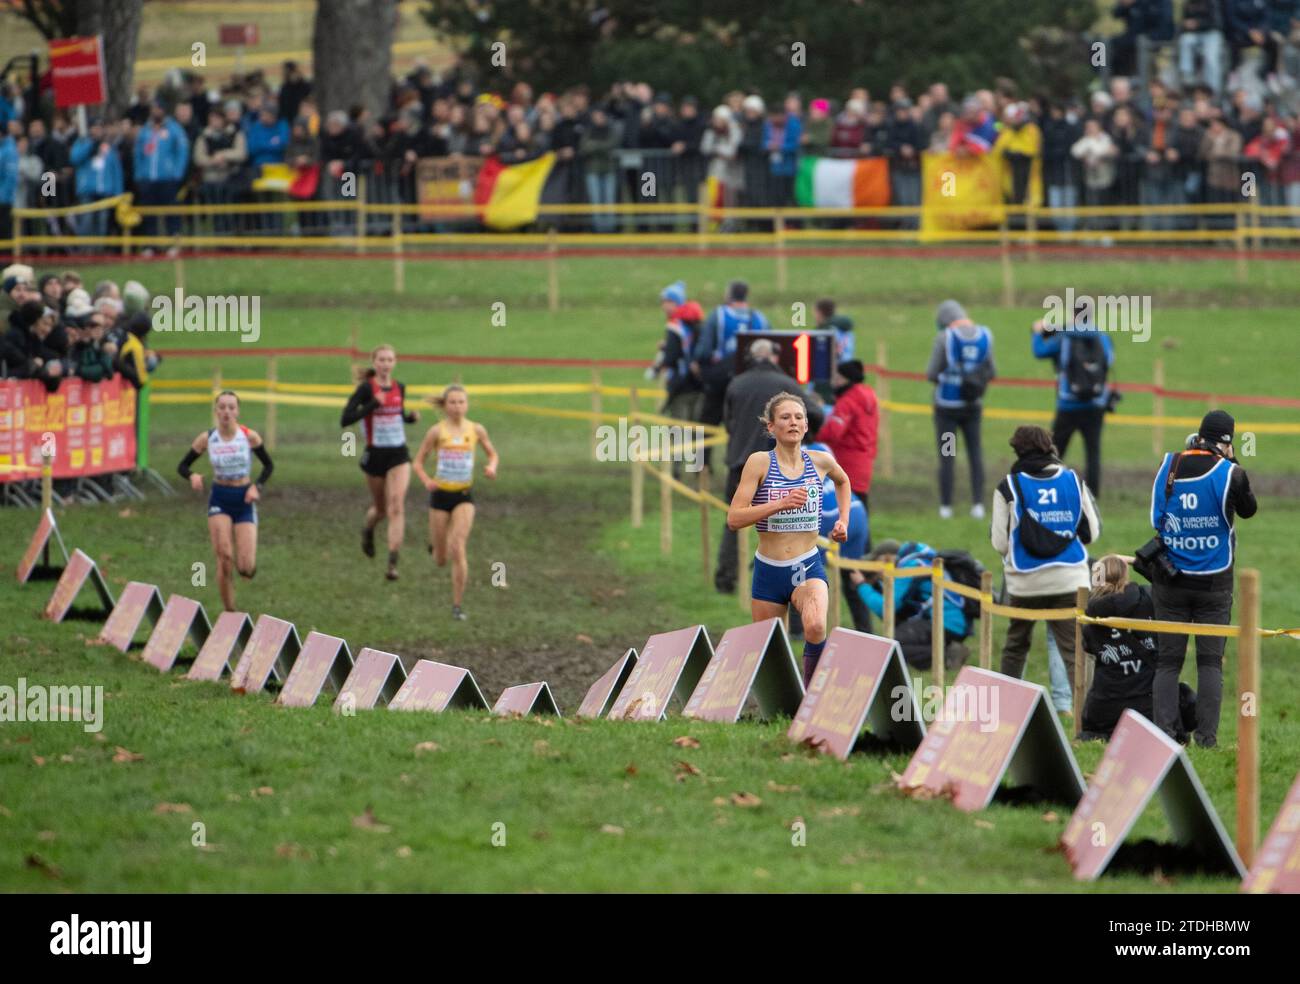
352	53
119	22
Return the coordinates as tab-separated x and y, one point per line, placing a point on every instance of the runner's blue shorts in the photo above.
776	580
229	499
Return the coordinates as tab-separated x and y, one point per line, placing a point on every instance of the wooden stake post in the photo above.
1248	708
638	466
986	621
884	438
1080	659
936	624
666	510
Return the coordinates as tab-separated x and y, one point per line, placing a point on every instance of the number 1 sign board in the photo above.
754	657
861	679
1139	761
670	665
992	725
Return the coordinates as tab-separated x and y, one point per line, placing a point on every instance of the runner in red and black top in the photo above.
379	402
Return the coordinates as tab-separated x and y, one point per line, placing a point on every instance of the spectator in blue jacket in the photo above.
1083	356
161	159
912	605
99	175
8	183
781	137
268	136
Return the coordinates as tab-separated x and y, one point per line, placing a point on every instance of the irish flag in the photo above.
510	195
834	182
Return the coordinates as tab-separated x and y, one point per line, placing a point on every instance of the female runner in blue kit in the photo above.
780	495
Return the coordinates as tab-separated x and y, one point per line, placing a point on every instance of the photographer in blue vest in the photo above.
1043	516
961	367
1083	356
1196	496
713	360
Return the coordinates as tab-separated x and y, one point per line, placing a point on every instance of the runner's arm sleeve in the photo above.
409	416
267	467
183	469
360	403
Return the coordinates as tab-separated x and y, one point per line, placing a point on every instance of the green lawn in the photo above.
582	586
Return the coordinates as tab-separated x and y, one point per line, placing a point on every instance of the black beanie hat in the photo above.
852	370
31	312
1217	427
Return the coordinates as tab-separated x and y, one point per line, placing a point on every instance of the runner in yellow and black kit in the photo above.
451	507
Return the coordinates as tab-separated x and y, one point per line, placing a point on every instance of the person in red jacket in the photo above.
850	429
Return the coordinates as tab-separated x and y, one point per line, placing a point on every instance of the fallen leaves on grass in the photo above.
164	808
5	811
1051	817
427	746
609	828
542	747
983	825
948	791
261	791
631	769
745	800
686	741
583	637
368	821
121	755
685	770
776	787
38	759
403	852
46	835
292	851
126	513
47	868
66	758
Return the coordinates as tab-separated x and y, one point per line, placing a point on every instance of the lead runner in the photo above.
780	495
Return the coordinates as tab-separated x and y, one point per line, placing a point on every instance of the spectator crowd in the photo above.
1188	104
54	328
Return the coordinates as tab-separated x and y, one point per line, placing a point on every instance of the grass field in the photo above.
591	805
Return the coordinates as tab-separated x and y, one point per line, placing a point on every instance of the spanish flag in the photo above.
960	192
509	195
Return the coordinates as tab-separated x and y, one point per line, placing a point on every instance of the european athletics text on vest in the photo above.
1193	520
1057	504
967	360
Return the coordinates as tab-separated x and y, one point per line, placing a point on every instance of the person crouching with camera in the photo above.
1196	496
1126	664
